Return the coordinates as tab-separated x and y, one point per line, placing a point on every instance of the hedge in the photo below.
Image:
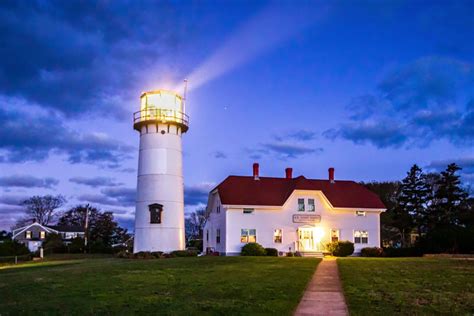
341	248
253	249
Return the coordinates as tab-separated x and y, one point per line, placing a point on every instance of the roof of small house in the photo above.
67	229
245	190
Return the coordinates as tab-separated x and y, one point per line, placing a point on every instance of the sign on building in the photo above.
307	218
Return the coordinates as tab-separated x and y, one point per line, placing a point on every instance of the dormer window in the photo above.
300	205
311	207
155	213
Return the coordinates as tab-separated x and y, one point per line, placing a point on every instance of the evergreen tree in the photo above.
450	199
411	206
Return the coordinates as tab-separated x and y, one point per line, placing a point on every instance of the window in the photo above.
334	235
155	213
42	234
300	205
248	235
311	207
218	209
277	236
218	236
360	213
361	237
248	210
207	235
28	234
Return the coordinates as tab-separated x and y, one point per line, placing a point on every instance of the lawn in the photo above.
205	285
408	286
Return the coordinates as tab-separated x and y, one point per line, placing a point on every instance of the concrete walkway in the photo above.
324	294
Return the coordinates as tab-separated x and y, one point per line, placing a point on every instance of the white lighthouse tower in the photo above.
159	215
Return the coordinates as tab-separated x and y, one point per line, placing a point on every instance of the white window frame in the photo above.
311	206
360	235
361	213
246	235
28	234
248	211
301	206
218	236
338	231
278	236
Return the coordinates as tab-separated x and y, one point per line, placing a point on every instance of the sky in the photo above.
367	87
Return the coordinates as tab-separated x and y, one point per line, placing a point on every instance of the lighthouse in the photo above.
159	214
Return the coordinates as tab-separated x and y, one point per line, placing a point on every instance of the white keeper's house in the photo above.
290	214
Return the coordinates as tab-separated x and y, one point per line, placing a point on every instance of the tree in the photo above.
54	243
103	231
195	224
413	198
450	199
387	192
4	235
42	208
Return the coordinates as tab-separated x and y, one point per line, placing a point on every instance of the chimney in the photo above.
331	175
289	173
255	171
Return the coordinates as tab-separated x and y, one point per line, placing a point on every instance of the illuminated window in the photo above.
361	237
334	235
28	234
155	213
218	236
248	210
311	207
42	234
300	205
248	235
277	236
360	213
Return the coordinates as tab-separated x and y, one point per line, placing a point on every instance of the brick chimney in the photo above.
255	171
331	174
289	173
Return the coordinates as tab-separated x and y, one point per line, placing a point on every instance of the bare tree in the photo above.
195	224
42	208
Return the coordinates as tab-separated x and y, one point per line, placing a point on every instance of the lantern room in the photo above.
161	106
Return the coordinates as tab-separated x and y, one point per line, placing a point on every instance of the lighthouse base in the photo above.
158	239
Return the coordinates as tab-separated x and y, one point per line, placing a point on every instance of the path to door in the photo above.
324	294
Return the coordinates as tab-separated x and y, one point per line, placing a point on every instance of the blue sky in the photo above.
367	87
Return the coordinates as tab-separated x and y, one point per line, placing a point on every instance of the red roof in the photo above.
240	190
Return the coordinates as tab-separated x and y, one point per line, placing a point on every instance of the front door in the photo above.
306	239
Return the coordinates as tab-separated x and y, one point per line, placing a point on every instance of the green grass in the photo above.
417	286
184	286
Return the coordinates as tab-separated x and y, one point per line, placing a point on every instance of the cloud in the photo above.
24	181
290	150
9	215
416	104
198	193
12	200
219	155
26	134
95	181
57	44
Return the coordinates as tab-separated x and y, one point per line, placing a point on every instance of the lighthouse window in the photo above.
155	213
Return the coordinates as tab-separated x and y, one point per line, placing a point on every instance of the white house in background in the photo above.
34	234
290	214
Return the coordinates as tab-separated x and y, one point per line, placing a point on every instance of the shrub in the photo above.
53	243
76	245
13	248
271	252
157	254
124	255
143	255
298	254
253	249
195	243
184	253
371	252
290	254
402	252
341	248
